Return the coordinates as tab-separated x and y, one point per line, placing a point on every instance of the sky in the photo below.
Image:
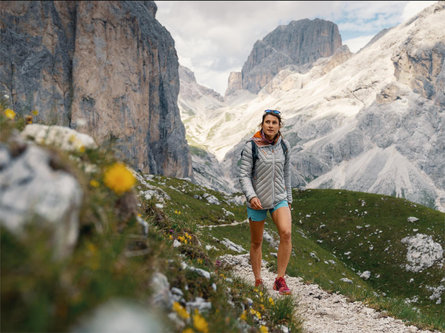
214	38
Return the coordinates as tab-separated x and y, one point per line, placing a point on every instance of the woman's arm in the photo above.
245	172
287	174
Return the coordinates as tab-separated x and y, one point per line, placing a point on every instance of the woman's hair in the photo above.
272	114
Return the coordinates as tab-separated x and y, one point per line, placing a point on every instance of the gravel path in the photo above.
323	312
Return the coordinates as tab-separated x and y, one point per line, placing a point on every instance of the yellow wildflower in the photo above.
72	138
243	316
261	293
180	310
262	307
200	323
170	236
10	114
199	261
255	313
271	301
188	330
118	178
35	112
82	149
264	329
181	238
94	183
92	248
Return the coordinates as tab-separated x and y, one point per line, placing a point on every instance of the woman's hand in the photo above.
255	203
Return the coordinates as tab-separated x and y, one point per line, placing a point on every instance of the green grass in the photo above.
364	231
328	224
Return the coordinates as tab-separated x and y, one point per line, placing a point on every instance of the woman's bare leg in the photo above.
256	240
283	221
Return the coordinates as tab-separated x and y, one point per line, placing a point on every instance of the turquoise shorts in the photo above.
261	214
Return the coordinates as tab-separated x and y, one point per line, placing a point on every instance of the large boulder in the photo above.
34	189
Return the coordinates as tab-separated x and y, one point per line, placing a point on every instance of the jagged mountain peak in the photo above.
350	108
298	43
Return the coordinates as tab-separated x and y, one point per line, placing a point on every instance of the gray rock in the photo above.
33	190
119	316
200	304
162	296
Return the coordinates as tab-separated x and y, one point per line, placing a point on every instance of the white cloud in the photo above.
414	7
213	38
355	44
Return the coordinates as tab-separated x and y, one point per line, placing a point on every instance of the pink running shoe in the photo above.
281	286
259	283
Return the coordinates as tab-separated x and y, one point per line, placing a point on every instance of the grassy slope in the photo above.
328	225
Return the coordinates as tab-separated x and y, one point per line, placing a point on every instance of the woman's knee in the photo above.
256	243
285	235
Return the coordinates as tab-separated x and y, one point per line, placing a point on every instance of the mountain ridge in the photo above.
378	95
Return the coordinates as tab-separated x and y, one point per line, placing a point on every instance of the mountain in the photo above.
372	121
108	68
300	43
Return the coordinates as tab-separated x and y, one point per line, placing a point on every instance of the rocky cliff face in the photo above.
106	68
298	43
234	83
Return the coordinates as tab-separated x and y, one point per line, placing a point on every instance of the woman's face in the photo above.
271	126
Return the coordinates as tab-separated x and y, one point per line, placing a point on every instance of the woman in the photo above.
265	181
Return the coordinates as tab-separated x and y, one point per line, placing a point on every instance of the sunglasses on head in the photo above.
272	111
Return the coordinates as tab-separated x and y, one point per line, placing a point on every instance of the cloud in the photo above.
414	7
355	44
213	38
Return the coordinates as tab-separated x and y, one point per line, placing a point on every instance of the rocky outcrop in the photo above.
299	43
234	83
422	68
110	65
192	91
35	189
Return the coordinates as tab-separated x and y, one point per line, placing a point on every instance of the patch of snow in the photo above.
412	219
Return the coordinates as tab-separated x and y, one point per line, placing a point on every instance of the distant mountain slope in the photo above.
372	121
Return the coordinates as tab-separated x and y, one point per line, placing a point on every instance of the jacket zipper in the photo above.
273	181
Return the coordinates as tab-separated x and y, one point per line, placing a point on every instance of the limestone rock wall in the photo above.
108	68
